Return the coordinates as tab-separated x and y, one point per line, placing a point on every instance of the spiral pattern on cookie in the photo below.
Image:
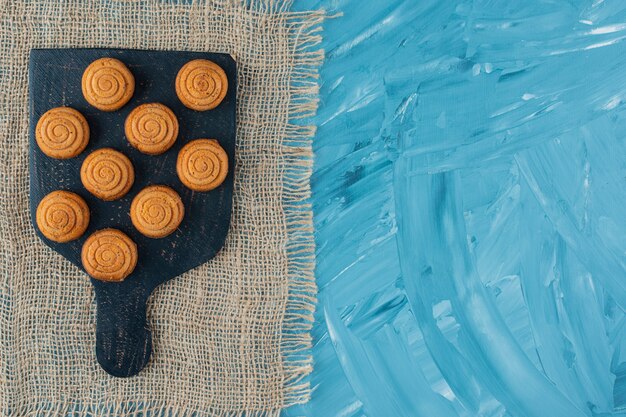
62	133
107	174
157	211
108	84
62	216
151	128
202	165
201	84
109	255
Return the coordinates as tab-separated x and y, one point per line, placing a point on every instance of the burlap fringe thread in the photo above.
298	321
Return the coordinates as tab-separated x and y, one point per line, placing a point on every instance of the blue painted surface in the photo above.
470	209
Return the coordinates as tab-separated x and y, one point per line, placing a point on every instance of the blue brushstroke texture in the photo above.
470	209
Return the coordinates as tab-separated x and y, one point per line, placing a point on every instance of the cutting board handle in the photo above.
123	337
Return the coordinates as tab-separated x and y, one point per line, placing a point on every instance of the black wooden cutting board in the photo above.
123	338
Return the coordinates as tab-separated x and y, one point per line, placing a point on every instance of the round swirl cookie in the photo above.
107	174
201	85
108	84
157	211
151	128
202	165
109	255
62	216
62	133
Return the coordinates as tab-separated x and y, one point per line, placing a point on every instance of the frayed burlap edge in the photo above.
299	315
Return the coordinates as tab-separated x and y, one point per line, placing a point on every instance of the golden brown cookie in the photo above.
202	165
151	128
62	133
157	211
109	255
107	174
201	84
108	84
62	216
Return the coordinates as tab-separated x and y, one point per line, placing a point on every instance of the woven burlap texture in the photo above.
231	337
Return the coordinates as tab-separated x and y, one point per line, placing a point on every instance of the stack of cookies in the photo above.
152	128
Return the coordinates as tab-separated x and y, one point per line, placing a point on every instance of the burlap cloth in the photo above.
230	337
